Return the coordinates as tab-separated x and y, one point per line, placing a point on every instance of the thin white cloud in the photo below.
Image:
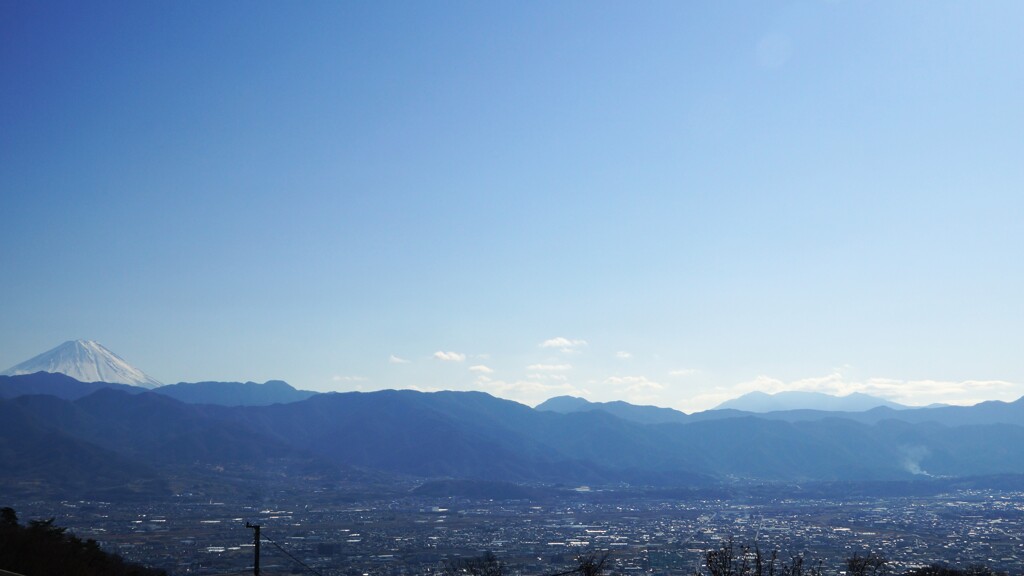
637	389
424	388
962	392
349	378
392	359
530	392
480	368
450	356
682	372
563	344
543	376
634	383
623	355
549	367
909	392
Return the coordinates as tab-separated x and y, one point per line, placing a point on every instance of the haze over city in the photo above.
671	204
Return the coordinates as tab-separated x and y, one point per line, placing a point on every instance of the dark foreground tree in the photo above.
486	565
728	560
731	560
591	564
42	549
943	570
869	565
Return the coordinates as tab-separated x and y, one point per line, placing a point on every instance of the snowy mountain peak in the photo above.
86	361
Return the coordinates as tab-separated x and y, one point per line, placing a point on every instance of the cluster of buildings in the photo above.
641	534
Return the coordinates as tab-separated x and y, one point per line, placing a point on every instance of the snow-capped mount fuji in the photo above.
85	361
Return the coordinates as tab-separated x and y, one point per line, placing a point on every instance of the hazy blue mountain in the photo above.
624	410
41	461
235	393
159	429
220	393
566	404
465	434
489	489
474	436
984	413
760	402
993	411
55	384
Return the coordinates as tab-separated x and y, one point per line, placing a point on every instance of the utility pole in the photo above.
256	541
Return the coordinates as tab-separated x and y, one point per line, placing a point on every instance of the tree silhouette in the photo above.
943	570
591	564
43	549
727	560
485	565
869	565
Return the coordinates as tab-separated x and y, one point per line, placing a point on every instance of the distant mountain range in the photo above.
55	384
761	402
220	393
235	393
790	406
78	368
86	361
144	437
624	410
992	412
90	362
61	436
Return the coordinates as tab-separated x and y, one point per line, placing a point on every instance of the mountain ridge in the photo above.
625	410
219	393
235	393
761	402
475	436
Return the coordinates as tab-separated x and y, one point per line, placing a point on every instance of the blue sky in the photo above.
667	203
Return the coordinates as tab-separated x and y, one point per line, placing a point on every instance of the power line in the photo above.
288	554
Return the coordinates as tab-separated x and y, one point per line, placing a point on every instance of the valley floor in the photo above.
398	533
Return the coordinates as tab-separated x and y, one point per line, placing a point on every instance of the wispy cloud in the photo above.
910	392
530	392
623	355
549	367
481	369
450	356
392	359
950	392
682	372
547	376
634	383
563	344
637	389
423	388
349	379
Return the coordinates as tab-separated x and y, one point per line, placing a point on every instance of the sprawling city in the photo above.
643	533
